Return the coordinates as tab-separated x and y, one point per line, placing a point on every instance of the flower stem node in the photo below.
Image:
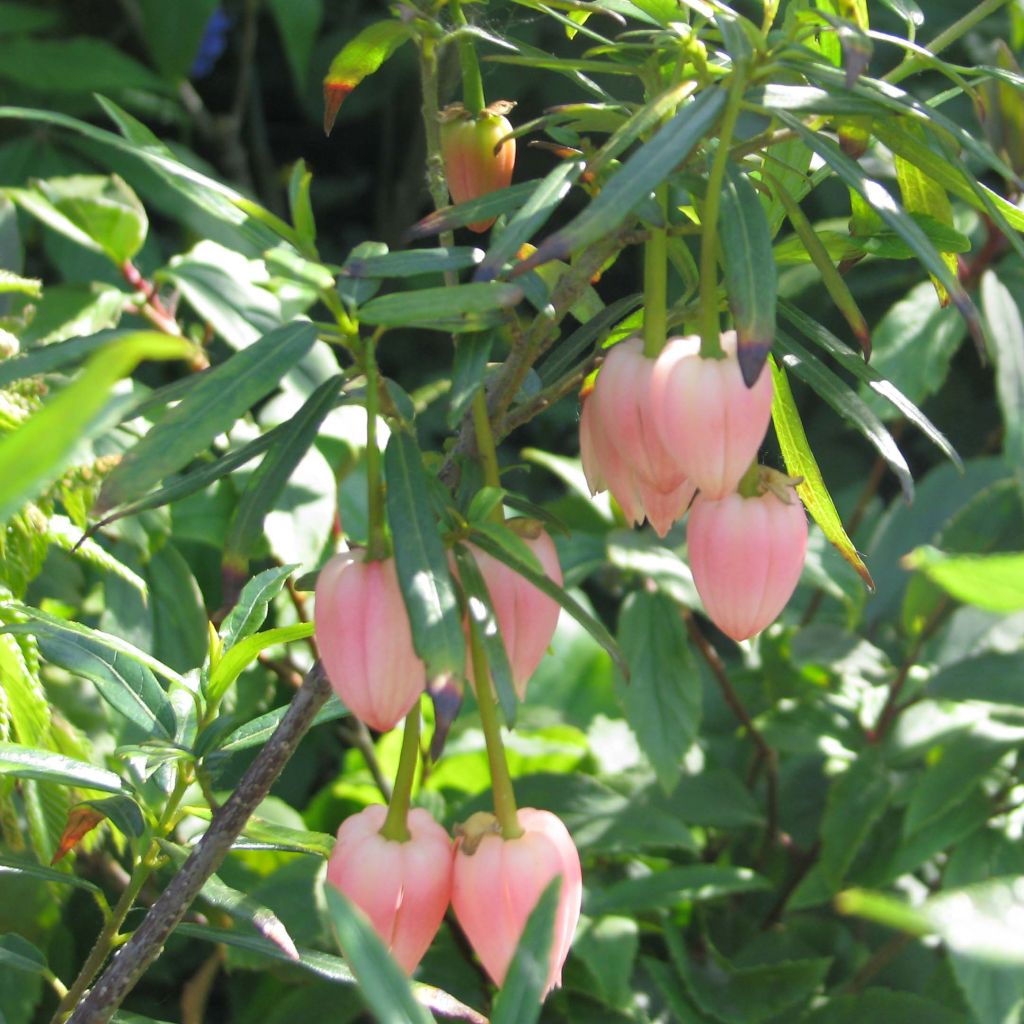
365	641
497	883
402	887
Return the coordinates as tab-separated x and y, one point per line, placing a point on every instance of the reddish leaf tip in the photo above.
335	93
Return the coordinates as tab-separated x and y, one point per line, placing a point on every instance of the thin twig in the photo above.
882	957
146	944
357	736
766	754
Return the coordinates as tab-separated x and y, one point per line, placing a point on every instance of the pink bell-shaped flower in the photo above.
497	883
620	447
706	416
746	555
365	641
403	888
526	616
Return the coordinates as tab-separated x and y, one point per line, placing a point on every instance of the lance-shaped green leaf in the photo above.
848	404
18	953
421	561
530	217
208	409
245	652
468	369
522	992
923	194
257	731
650	165
465	307
505	546
29	869
251	609
124	676
992	582
480	610
1006	329
413	262
484	208
36	453
663	697
750	281
852	174
29	763
381	981
833	281
265	486
800	462
358	58
846	358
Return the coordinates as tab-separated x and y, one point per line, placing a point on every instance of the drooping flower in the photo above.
365	641
478	156
403	888
746	555
497	883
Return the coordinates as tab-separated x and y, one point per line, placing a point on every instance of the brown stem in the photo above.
882	957
765	753
146	944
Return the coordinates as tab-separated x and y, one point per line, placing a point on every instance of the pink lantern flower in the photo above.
365	641
497	883
403	888
706	416
526	616
747	554
620	447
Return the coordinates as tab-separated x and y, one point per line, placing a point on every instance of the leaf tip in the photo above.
335	93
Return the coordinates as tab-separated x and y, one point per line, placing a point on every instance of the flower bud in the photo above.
476	160
403	888
620	447
706	416
365	641
746	555
526	616
497	883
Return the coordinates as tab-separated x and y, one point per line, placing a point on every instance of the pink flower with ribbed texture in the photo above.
497	883
746	555
403	888
526	616
620	447
706	416
365	641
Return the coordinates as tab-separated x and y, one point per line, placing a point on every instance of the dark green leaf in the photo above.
122	812
448	218
27	763
21	955
651	164
412	262
381	981
174	32
522	992
992	677
471	355
259	730
882	1004
420	559
1006	331
672	886
16	866
662	699
208	409
750	281
465	307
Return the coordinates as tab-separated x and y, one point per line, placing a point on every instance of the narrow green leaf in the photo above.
481	611
27	763
421	561
413	262
651	164
493	541
257	731
662	699
522	993
124	675
493	204
530	218
208	409
800	462
358	58
848	404
251	610
265	486
381	981
1006	331
869	375
244	652
471	355
36	453
852	174
21	955
749	265
465	307
11	282
673	886
16	866
992	582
